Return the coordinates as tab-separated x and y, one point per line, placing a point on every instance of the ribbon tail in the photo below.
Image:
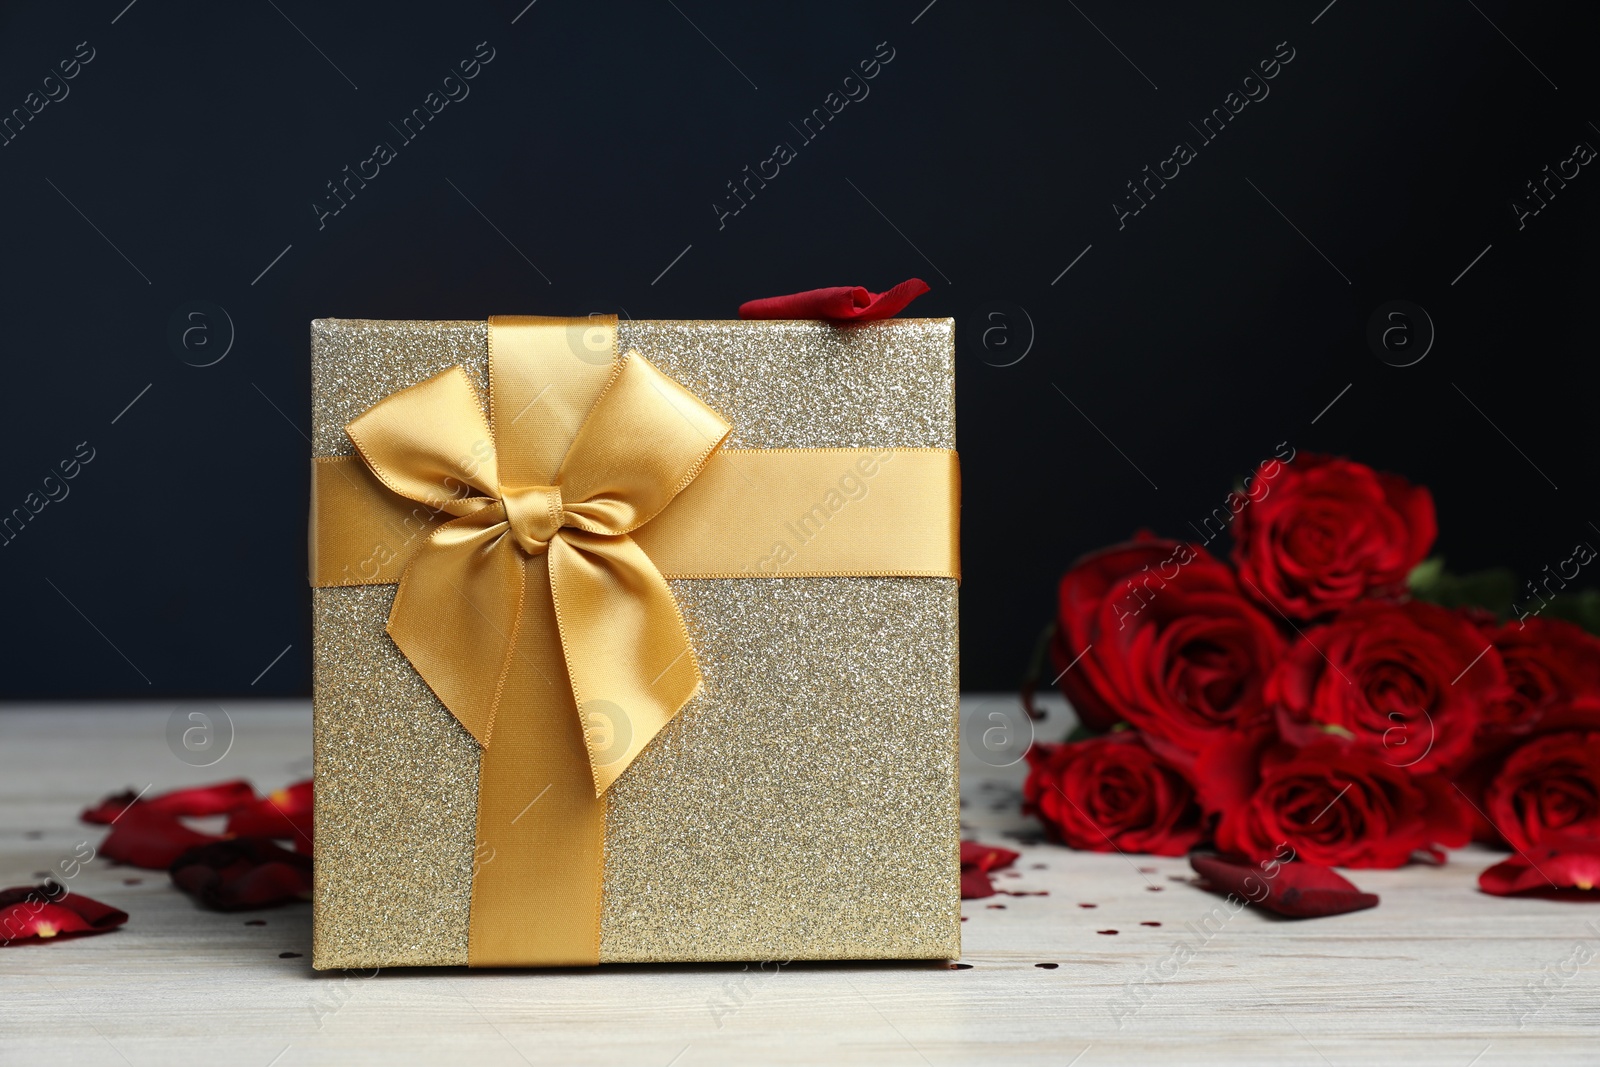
627	652
458	615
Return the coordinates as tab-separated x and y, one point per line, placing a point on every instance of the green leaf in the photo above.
1337	731
1492	589
1424	577
1581	608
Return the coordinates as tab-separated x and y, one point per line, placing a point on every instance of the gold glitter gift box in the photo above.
803	805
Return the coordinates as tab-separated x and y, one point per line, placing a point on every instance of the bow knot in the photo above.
535	514
461	615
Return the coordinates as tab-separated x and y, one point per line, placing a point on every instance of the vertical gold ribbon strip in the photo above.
541	828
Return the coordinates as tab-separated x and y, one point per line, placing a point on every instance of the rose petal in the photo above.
218	799
31	913
1298	890
1567	868
985	857
976	884
244	873
150	839
284	813
108	808
842	303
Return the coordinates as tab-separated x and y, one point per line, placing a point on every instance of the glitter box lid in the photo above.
803	806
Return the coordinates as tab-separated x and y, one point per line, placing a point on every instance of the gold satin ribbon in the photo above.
532	560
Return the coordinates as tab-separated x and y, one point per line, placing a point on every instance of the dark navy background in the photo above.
986	159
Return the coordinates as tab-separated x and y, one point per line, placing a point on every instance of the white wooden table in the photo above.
1437	974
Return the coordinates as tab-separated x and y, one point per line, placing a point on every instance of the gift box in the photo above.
634	641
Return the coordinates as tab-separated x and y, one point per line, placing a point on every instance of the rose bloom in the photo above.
1156	633
1328	533
1332	802
1110	793
1548	787
1407	682
1549	664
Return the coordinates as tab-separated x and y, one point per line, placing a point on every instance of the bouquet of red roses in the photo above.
1327	690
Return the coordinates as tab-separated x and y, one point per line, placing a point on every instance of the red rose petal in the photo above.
977	861
285	813
986	857
1563	867
33	913
1298	890
843	303
107	809
142	838
975	885
22	922
218	799
244	873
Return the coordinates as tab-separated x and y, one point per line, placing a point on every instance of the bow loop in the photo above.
645	439
430	443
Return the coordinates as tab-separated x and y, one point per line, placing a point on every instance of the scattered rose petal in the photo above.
150	839
1047	966
975	885
284	813
976	863
218	799
243	873
41	912
1298	890
1567	868
1108	932
986	857
843	303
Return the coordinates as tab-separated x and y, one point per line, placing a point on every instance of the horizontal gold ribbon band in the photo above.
765	513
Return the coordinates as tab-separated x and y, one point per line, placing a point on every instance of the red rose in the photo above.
1157	633
1331	802
1110	793
1407	682
1548	786
1323	533
1549	664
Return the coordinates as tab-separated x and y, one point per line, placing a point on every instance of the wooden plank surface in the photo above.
1437	974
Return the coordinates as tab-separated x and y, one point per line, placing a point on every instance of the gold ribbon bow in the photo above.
458	615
